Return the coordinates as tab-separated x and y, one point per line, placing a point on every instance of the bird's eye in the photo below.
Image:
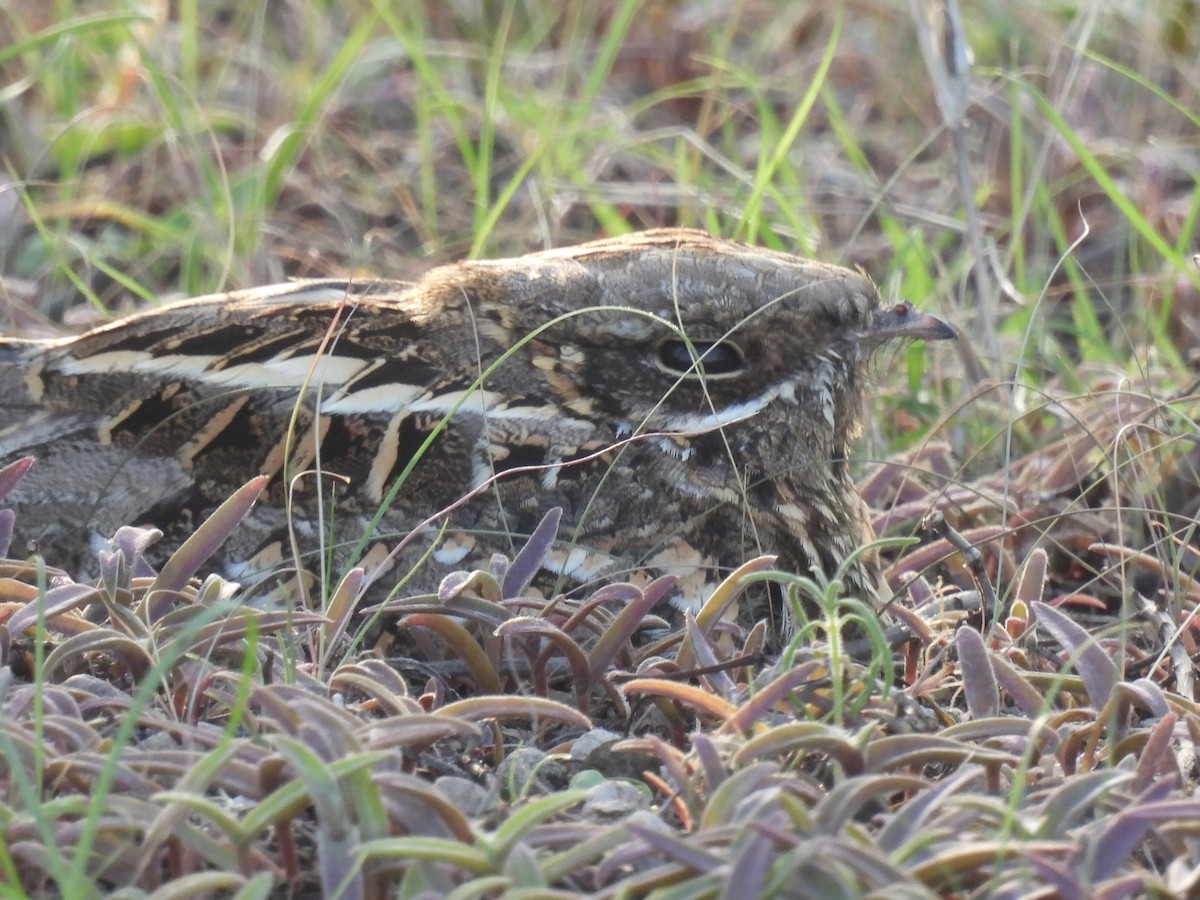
901	309
716	357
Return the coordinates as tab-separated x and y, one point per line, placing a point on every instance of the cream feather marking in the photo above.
210	432
656	469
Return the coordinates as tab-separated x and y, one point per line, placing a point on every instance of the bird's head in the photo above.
734	349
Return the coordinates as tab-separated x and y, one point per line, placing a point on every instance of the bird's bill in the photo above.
902	320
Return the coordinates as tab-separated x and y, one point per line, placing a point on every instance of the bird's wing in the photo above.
179	405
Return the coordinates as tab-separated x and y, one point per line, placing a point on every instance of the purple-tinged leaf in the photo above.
416	732
1095	666
340	609
715	607
926	556
871	865
1031	580
673	765
1028	698
899	750
678	850
963	861
377	680
497	566
1075	800
328	730
181	624
201	545
713	769
278	704
465	647
628	620
1131	886
978	679
114	574
1155	757
909	818
132	542
757	707
418	853
750	866
920	593
11	474
528	561
425	808
87	768
1150	694
1000	728
1063	883
73	735
847	799
56	700
475	709
477	583
520	822
57	601
624	856
523	626
98	641
122	617
605	851
466	605
1123	832
23	757
706	658
802	737
94	689
734	791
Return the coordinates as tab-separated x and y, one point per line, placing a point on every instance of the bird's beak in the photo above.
901	320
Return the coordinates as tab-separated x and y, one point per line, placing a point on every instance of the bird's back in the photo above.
687	401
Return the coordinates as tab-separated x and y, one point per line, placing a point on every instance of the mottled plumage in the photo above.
571	374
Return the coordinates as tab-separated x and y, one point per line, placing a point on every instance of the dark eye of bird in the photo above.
717	357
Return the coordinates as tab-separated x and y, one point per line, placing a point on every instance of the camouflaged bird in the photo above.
687	401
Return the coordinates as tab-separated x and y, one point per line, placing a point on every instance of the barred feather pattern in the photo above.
687	401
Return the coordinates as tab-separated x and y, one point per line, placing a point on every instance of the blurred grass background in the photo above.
161	149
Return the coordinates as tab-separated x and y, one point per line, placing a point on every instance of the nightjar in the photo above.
688	402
